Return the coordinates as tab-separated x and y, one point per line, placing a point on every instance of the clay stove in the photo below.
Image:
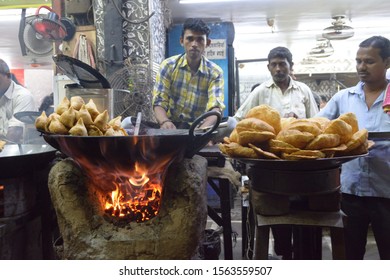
131	197
89	231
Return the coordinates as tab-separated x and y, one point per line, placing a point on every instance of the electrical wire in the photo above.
249	250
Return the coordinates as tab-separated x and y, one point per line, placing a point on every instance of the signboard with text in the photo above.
217	49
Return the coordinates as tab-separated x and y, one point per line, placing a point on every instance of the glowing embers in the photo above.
137	198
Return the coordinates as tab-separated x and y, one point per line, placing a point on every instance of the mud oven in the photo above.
129	197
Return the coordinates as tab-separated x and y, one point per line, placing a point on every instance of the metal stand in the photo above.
223	191
333	220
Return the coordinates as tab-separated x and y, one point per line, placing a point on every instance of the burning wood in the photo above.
136	198
90	231
139	209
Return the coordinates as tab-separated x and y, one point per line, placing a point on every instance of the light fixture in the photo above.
34	63
203	1
323	48
338	30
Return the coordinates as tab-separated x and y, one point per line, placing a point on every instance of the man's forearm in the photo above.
162	118
160	113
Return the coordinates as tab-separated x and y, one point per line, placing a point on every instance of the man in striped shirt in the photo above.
188	85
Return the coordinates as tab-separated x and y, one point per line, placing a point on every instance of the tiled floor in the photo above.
371	253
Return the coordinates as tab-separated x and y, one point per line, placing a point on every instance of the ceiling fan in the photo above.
338	30
323	48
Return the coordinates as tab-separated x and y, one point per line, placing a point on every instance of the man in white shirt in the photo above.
13	98
291	98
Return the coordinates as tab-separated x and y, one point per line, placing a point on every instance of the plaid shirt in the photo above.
185	97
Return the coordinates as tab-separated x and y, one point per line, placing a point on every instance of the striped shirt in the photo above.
184	96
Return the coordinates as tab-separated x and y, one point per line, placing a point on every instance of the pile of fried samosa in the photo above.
264	134
78	118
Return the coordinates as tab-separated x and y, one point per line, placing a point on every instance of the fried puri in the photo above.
295	137
350	118
234	136
304	154
298	139
236	150
357	139
340	127
254	131
305	126
323	141
263	154
266	113
277	146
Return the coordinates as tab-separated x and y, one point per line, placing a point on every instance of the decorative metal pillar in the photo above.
109	41
138	34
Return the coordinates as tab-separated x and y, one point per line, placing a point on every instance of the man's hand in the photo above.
162	118
167	125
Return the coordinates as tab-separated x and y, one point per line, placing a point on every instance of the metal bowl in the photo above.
17	159
298	165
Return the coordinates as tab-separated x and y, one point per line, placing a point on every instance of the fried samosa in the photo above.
79	129
84	114
76	102
115	123
57	127
93	130
41	121
101	121
63	106
92	109
69	117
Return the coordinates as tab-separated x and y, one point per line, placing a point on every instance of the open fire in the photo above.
108	182
137	198
128	172
89	232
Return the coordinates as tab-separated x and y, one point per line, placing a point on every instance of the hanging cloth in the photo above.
83	51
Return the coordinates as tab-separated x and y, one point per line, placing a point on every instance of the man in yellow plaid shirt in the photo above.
188	85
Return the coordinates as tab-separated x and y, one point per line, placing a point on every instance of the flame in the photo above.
136	199
139	178
128	170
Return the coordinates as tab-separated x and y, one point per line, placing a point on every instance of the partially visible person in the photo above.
189	84
317	98
365	181
13	98
324	100
47	104
291	98
13	78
